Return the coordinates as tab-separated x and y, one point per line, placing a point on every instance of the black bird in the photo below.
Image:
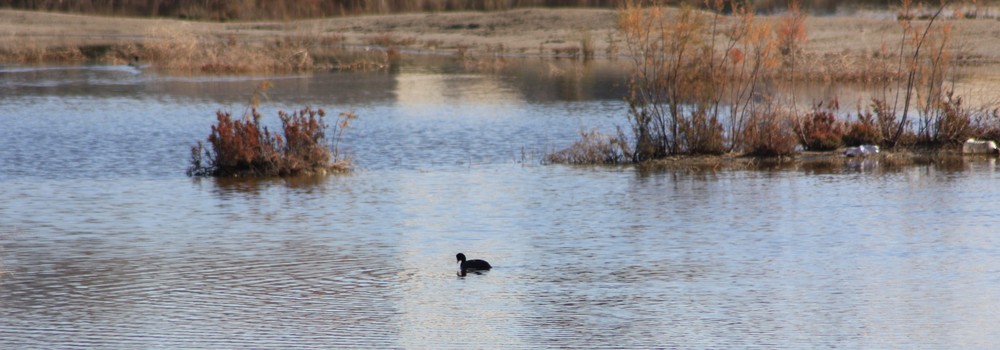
472	265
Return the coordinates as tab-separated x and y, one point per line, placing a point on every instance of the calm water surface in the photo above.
105	243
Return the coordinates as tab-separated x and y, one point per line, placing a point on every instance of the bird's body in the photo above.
471	265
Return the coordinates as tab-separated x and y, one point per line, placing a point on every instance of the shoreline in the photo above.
43	37
828	161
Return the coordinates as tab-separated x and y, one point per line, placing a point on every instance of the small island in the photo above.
243	147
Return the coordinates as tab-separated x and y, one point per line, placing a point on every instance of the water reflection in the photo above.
826	164
510	79
252	186
525	78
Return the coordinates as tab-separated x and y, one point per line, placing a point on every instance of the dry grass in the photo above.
837	48
178	49
31	53
177	46
593	148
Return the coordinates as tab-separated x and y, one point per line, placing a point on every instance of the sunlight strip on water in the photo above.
434	90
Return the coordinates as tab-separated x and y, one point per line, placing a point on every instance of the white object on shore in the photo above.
860	151
973	146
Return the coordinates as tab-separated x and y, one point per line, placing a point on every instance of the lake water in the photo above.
105	243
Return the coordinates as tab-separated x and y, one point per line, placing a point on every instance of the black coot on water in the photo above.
473	265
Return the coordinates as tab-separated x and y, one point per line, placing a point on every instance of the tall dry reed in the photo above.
917	107
706	83
698	78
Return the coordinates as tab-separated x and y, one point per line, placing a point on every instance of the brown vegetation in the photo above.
243	147
698	88
863	130
697	81
697	85
177	49
707	82
178	46
594	147
840	48
820	130
918	108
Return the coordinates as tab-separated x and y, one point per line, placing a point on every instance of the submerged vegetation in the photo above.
709	84
243	147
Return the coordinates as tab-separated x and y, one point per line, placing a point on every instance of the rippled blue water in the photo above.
106	244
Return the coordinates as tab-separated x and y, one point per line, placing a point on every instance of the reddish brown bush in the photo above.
862	131
953	123
769	134
819	130
239	147
244	147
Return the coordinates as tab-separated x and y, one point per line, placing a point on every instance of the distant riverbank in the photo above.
834	42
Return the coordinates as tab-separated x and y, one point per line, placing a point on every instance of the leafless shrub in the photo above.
594	147
769	132
693	69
